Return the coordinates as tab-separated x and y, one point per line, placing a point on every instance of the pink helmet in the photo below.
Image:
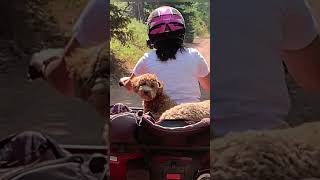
165	19
165	22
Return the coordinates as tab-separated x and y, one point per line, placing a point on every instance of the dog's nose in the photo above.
145	92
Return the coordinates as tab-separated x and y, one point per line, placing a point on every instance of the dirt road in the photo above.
202	45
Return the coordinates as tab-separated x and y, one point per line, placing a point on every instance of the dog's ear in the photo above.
160	87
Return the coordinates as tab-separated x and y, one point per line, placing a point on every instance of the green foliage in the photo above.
119	20
203	10
132	50
188	14
196	17
201	18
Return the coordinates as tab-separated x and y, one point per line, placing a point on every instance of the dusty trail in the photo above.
203	45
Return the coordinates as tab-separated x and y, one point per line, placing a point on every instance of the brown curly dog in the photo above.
150	89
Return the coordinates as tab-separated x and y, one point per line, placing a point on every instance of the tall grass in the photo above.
135	48
200	28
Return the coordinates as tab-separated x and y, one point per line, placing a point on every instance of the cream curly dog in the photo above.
193	112
150	89
282	154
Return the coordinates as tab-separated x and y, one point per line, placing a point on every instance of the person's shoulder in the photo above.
149	55
191	51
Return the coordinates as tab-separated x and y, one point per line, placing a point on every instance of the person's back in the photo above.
180	75
249	89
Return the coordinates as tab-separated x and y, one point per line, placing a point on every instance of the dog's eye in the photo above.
143	83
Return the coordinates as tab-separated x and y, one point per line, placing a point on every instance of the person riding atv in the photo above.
179	67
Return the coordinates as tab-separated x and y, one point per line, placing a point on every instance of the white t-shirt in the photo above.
249	89
180	75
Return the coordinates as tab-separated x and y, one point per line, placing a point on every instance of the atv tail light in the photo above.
173	177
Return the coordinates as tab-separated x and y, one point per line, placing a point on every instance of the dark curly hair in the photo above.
168	48
167	44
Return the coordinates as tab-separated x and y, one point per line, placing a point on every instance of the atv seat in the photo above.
139	128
